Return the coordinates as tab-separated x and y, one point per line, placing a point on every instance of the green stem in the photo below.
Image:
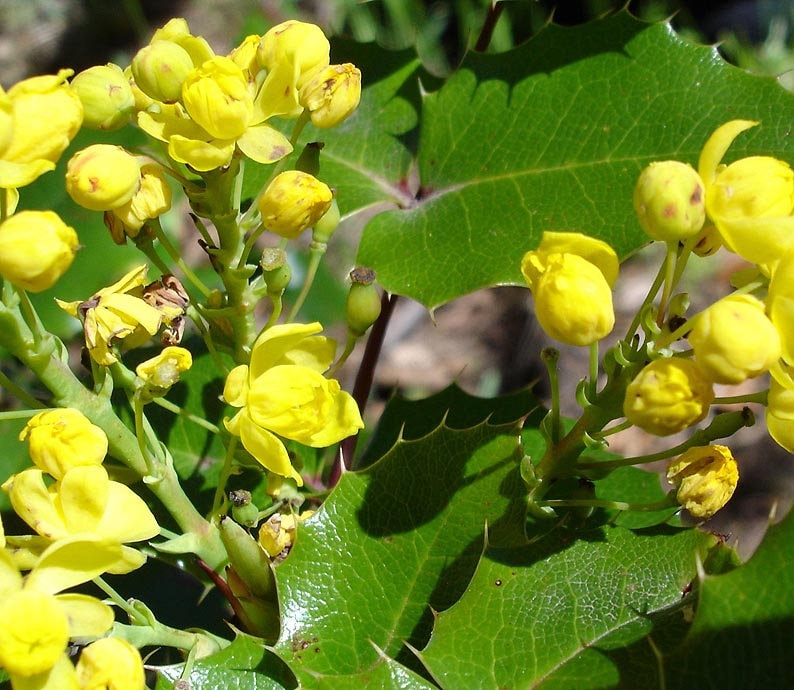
760	397
667	502
550	358
652	292
177	258
669	282
200	421
722	426
23	396
592	386
226	472
316	253
350	345
134	614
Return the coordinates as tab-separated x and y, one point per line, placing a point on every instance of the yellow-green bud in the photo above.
243	510
363	304
292	202
106	95
573	300
61	439
705	478
102	177
163	371
36	249
160	68
111	662
754	187
216	97
247	558
332	94
324	228
734	340
670	201
668	396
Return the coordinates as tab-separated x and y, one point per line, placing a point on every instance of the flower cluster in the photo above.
82	522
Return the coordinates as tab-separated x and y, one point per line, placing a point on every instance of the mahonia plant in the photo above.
205	116
654	381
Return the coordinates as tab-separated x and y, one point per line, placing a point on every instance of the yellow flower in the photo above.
84	502
751	200
282	393
216	97
668	396
294	201
290	52
46	116
278	533
669	201
332	94
571	276
162	371
6	121
114	313
780	304
106	95
151	200
36	621
102	176
705	478
734	340
59	440
36	249
110	664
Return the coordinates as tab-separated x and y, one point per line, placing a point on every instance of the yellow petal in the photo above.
35	504
717	146
201	155
264	144
235	390
127	517
82	497
271	346
70	561
10	577
267	449
87	615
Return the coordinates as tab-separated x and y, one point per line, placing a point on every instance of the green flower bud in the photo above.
275	270
705	478
324	228
734	340
292	202
247	558
160	69
102	177
363	304
36	249
669	201
668	396
106	95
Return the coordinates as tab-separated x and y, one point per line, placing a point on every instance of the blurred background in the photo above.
487	342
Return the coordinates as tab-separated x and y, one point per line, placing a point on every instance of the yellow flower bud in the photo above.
106	95
596	251
163	370
36	249
216	97
573	300
780	411
780	301
110	663
668	396
705	478
277	535
669	201
59	440
734	340
33	632
160	68
332	94
101	177
292	202
755	187
152	199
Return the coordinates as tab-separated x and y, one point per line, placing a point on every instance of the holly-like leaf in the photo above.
743	632
244	665
571	610
393	542
549	136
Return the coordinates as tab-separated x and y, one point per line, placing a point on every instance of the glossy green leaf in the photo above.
553	613
551	135
743	632
392	542
244	665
